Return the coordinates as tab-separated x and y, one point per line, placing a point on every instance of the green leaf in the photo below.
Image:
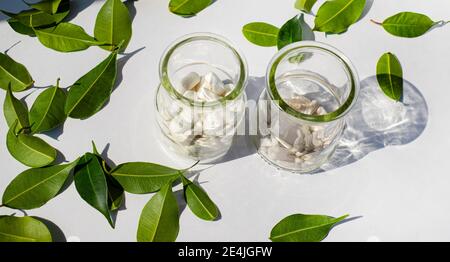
91	184
23	229
35	187
305	5
89	93
390	76
47	111
407	24
15	111
292	31
188	7
29	150
66	37
304	228
335	16
21	28
37	18
48	6
143	178
261	34
199	202
113	25
14	73
159	221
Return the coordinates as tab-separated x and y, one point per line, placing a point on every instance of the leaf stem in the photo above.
57	82
375	22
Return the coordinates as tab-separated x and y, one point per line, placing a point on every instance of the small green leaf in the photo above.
143	178
48	6
407	24
159	221
305	5
23	229
304	228
390	76
113	25
21	28
15	110
294	30
14	73
47	111
261	34
35	187
89	93
35	18
91	184
66	37
198	201
29	150
335	16
188	7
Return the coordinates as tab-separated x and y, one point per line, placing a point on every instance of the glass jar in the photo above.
201	100
311	87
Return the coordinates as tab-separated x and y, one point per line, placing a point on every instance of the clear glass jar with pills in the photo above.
311	87
201	100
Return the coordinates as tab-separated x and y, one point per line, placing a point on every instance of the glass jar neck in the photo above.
273	91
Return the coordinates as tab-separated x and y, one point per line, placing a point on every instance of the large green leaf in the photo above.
335	16
143	178
199	202
294	30
262	34
15	111
89	93
159	221
304	228
35	187
91	184
47	111
23	229
20	28
113	25
390	76
188	7
66	37
14	73
408	24
29	150
305	5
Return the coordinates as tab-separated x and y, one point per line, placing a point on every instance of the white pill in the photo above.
214	83
206	95
190	81
190	94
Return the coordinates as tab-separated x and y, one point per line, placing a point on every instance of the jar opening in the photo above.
321	57
208	49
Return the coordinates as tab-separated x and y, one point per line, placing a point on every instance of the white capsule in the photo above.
177	126
206	95
321	111
190	94
212	123
190	81
213	82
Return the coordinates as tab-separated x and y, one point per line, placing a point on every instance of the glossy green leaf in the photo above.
15	111
305	5
304	228
113	25
47	111
188	7
390	76
143	178
21	28
66	37
408	24
14	73
35	18
159	221
91	184
29	150
198	201
89	93
23	229
294	30
261	34
336	16
35	187
48	6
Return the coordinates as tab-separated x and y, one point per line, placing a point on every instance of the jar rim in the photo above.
163	65
341	111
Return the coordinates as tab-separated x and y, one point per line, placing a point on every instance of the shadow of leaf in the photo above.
56	232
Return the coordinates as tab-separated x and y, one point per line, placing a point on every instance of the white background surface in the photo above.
397	193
